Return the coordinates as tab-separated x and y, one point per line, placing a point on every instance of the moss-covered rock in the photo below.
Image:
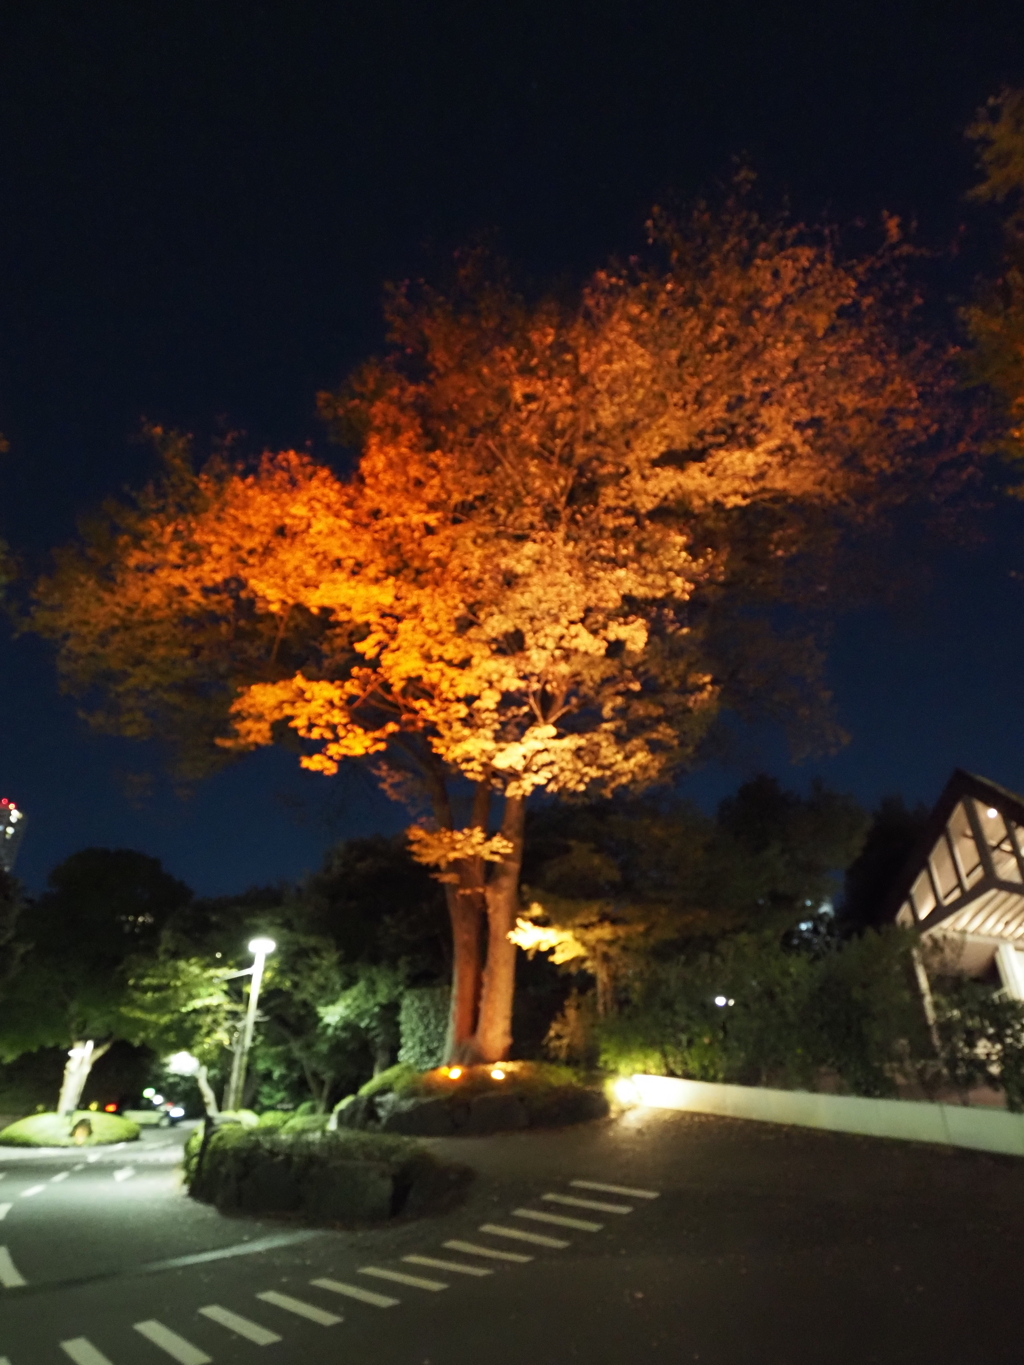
54	1130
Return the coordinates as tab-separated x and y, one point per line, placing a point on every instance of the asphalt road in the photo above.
739	1242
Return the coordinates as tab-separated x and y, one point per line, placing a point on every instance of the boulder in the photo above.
496	1114
427	1116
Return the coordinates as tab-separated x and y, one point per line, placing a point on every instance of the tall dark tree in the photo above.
103	909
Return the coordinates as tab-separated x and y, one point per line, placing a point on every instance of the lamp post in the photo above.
260	948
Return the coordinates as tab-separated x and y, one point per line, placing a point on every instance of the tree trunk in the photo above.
206	1090
494	1026
466	904
83	1055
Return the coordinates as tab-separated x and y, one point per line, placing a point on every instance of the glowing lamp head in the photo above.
991	812
110	1109
497	1074
455	1072
262	946
720	1000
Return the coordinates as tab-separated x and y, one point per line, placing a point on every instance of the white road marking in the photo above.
581	1223
5	1210
94	1157
416	1281
471	1249
448	1265
9	1276
355	1291
496	1231
245	1327
33	1189
125	1173
83	1352
3	1176
614	1189
79	1167
299	1307
61	1175
176	1347
597	1204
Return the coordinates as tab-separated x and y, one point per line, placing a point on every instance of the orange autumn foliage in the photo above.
520	583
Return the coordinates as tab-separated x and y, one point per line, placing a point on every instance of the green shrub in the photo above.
852	1009
982	1038
275	1118
51	1130
423	1026
324	1177
305	1123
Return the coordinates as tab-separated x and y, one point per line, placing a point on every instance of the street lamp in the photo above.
260	948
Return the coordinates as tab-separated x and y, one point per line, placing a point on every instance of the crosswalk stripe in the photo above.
32	1189
614	1189
471	1249
61	1175
417	1281
558	1219
83	1352
571	1202
300	1308
5	1210
9	1276
356	1291
176	1347
448	1265
234	1322
535	1237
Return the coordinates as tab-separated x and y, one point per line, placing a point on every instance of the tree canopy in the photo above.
557	560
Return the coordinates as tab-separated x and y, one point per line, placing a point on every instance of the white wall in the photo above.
953	1125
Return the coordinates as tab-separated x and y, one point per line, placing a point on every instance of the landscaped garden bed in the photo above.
320	1177
470	1100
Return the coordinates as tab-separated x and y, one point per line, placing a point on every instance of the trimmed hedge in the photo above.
51	1130
323	1178
423	1026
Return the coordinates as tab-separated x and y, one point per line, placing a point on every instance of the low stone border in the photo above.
952	1125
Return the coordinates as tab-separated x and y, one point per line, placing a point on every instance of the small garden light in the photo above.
497	1074
455	1072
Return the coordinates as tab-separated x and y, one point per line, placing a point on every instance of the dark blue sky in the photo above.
199	205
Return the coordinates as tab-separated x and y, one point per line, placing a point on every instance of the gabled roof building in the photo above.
963	886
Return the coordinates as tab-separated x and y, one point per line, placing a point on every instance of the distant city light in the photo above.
721	1000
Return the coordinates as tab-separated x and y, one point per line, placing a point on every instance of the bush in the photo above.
982	1038
329	1178
51	1130
852	1010
423	1026
275	1118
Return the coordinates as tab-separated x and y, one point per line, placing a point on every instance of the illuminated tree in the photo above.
555	562
996	319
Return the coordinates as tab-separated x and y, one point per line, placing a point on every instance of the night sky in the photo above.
200	203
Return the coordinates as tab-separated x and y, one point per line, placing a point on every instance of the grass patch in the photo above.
52	1130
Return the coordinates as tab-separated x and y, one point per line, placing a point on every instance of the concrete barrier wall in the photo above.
984	1130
